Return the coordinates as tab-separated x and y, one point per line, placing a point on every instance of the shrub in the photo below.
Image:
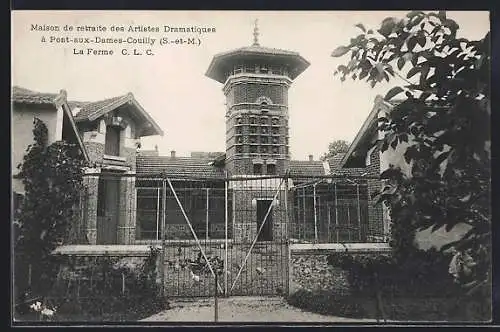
422	273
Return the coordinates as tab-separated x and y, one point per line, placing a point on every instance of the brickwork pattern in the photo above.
91	184
375	211
249	92
245	215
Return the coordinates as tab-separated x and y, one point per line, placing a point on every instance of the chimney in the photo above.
311	157
172	154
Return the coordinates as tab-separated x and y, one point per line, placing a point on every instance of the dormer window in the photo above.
112	144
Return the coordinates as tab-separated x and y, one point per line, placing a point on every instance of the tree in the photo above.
335	147
52	177
444	115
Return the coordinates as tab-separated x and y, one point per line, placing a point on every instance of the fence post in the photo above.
163	226
225	234
216	304
158	214
359	213
315	215
206	215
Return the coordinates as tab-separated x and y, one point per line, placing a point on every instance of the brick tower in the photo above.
256	81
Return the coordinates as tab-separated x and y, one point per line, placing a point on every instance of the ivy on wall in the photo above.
52	178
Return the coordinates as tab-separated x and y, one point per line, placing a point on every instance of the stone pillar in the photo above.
91	183
126	216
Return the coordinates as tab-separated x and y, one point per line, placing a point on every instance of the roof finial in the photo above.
256	33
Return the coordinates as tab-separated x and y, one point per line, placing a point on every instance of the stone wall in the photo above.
310	271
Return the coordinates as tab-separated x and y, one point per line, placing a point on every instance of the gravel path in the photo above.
242	309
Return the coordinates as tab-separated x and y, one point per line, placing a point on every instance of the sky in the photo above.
171	84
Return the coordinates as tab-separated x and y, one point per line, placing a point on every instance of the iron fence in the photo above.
244	223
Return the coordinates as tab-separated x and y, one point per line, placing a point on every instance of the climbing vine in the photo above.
52	178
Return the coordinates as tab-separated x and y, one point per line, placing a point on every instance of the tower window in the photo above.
239	120
112	143
238	130
263	139
263	149
275	131
263	120
239	149
271	169
257	169
264	130
253	130
239	140
253	149
275	140
275	121
252	120
275	149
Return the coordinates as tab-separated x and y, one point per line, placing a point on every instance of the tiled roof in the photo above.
306	167
96	109
25	96
178	166
259	50
336	168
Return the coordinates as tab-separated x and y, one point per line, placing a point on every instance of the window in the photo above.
253	149
257	169
238	130
275	149
275	140
263	149
238	69
239	140
253	130
252	120
239	149
239	120
264	130
263	139
263	120
271	169
112	144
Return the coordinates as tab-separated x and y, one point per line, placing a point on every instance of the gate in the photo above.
241	227
236	227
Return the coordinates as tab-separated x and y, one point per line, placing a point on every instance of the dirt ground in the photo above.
243	309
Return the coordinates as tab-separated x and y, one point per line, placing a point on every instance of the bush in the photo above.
421	274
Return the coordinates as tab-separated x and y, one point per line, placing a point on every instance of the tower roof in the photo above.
222	62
